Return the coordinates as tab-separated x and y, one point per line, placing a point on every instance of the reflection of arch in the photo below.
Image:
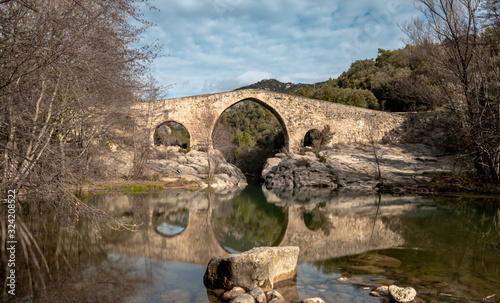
317	220
169	222
248	221
308	137
178	134
266	106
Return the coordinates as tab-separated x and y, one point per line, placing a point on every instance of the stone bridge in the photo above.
297	115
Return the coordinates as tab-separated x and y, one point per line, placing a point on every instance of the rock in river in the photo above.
260	266
258	294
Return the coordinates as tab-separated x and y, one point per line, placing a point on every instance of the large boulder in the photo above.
297	171
258	267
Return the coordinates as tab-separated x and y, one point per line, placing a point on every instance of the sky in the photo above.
212	46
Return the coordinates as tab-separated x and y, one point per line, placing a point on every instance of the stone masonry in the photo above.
297	115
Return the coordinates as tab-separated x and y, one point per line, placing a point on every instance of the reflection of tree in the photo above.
316	219
55	260
250	221
455	242
253	222
469	222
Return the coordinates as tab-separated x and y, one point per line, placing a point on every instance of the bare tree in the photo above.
207	119
375	148
67	68
462	59
222	141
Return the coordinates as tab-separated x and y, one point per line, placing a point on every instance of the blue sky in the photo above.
219	45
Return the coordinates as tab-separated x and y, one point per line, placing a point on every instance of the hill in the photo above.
277	86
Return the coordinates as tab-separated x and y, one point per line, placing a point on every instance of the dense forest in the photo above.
397	80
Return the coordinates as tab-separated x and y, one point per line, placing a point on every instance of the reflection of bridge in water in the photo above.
355	227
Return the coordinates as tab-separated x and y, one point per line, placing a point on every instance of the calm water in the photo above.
443	245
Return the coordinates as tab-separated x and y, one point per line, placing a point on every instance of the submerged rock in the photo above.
244	298
258	295
378	260
401	294
258	267
370	269
233	293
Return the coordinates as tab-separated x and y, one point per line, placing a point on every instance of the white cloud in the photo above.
252	77
223	44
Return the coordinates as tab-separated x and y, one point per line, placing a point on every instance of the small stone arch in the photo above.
181	137
308	137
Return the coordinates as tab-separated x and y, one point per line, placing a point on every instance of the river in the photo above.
448	245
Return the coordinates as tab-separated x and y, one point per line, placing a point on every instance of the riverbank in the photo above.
359	168
392	168
172	167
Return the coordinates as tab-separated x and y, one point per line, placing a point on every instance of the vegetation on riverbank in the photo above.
138	186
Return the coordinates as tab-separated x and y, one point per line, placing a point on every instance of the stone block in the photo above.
258	267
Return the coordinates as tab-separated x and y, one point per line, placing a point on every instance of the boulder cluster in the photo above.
194	166
294	170
356	168
256	295
250	276
239	295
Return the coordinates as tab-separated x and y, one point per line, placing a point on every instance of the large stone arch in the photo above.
266	106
